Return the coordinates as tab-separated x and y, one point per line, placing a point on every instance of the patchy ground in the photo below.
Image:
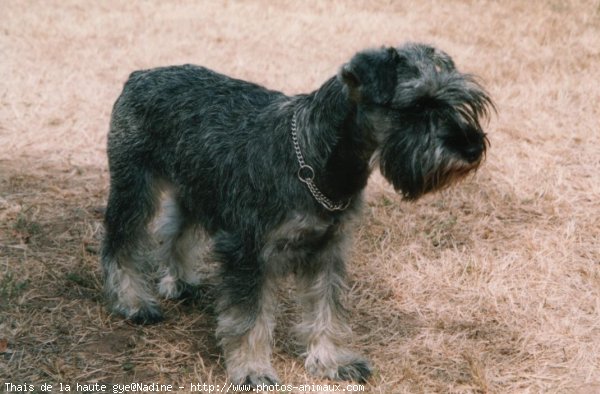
493	286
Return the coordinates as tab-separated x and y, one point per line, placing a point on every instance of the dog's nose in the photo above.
472	152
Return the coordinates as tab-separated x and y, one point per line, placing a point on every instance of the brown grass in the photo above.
493	286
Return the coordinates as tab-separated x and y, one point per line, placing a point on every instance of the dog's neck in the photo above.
333	140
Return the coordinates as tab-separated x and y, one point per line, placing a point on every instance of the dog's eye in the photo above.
422	107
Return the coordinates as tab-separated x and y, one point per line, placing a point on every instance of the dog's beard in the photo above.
415	172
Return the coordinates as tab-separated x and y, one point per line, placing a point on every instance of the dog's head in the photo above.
425	115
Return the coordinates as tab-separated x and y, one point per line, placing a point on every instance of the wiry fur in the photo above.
223	149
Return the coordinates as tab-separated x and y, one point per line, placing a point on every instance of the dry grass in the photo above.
493	286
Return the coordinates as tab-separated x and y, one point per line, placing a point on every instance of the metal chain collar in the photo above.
306	174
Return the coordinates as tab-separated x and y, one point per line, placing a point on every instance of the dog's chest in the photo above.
298	240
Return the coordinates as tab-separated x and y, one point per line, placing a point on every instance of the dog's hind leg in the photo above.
178	239
246	305
132	202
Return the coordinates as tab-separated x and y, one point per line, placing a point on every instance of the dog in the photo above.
274	184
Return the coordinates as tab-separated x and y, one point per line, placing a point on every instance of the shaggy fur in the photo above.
224	150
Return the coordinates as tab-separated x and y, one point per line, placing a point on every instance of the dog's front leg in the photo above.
323	329
246	305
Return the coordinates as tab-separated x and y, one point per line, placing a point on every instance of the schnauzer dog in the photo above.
273	183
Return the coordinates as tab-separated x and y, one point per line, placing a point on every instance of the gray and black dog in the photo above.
274	184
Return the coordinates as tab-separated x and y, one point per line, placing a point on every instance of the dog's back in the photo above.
164	103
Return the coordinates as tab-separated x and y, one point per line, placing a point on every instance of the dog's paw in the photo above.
255	379
170	287
177	289
346	367
149	315
191	292
358	371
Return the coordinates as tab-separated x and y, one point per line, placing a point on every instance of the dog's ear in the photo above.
371	75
